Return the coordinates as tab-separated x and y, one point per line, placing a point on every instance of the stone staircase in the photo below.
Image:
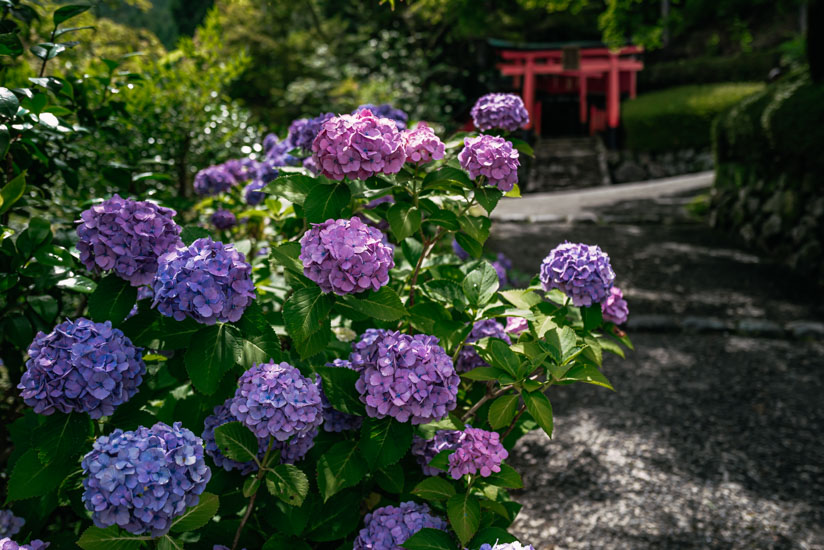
567	163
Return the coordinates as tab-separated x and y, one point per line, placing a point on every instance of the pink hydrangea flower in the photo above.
492	157
422	145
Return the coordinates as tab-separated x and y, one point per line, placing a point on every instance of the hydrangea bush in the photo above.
319	358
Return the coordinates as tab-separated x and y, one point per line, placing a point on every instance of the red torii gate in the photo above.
587	70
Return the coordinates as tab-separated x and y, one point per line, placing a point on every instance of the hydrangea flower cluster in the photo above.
252	193
580	271
277	400
207	281
241	169
410	378
358	146
141	480
492	157
81	366
270	141
427	449
214	180
277	154
516	325
504	111
477	451
223	219
422	145
501	266
10	524
127	237
385	110
468	358
302	131
346	256
8	544
388	527
507	546
614	308
333	419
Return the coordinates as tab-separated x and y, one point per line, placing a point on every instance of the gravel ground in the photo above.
711	440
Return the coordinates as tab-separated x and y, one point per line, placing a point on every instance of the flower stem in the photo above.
260	473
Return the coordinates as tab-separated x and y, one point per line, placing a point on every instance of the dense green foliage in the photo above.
745	67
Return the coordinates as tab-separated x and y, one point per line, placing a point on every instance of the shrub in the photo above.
679	118
744	67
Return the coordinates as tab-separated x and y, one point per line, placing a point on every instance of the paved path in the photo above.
713	437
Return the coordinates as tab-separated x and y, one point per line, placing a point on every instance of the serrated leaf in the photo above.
261	348
286	255
539	407
62	436
340	467
288	483
592	317
385	304
464	514
391	478
283	542
191	233
213	352
384	441
507	478
316	342
482	373
429	539
480	284
250	486
470	245
444	218
588	374
522	299
488	198
434	488
112	300
326	202
32	478
305	311
492	535
236	441
110	538
503	410
168	543
404	220
447	174
498	354
197	516
292	187
339	388
44	306
441	460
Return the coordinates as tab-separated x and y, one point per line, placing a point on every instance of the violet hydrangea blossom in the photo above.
126	237
81	366
425	450
468	358
516	325
504	111
302	131
207	281
223	219
580	271
410	378
614	308
385	110
422	145
253	193
241	169
10	524
492	157
8	544
275	399
388	527
506	546
142	480
346	256
477	452
501	266
333	419
358	146
214	180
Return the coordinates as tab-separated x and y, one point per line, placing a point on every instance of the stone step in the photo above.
567	163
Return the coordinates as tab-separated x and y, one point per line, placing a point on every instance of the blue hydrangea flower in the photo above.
207	281
580	271
333	419
468	358
506	546
501	266
504	111
425	450
241	169
277	400
223	219
410	378
388	527
214	180
8	544
302	131
10	524
126	237
81	366
252	192
278	153
386	110
142	480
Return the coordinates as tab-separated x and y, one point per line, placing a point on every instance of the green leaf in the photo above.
78	283
539	407
12	191
54	256
507	478
197	516
472	247
488	197
592	316
213	352
503	410
434	488
587	373
326	202
480	284
429	539
441	460
492	536
523	299
191	233
112	300
260	348
340	467
288	483
385	304
250	486
338	517
404	220
476	227
286	255
45	306
10	44
339	388
32	478
482	373
447	174
522	147
608	344
67	12
464	514
168	543
63	436
384	441
444	218
236	441
8	101
498	354
446	290
316	342
292	187
562	343
305	311
390	478
110	538
283	542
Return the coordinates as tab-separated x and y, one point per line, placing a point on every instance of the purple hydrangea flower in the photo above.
422	145
468	358
507	546
223	219
278	154
459	251
504	111
81	366
241	169
252	192
385	199
127	237
269	142
10	524
346	256
614	308
142	480
388	527
501	266
291	450
516	325
425	450
580	271
8	544
214	180
333	419
410	378
358	147
207	281
385	110
302	131
276	399
477	451
492	157
310	164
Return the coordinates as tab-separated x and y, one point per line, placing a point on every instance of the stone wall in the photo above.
626	166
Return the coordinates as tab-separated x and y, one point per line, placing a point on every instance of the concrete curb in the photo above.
752	327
